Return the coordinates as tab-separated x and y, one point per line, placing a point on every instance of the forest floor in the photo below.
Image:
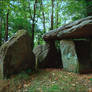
48	80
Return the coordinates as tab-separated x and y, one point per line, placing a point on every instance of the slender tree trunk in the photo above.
1	23
52	1
57	16
4	22
44	22
89	7
38	40
33	23
43	17
0	31
6	31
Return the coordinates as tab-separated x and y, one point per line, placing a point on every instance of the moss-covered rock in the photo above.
47	56
16	54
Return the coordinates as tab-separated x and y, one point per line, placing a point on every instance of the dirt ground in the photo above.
48	80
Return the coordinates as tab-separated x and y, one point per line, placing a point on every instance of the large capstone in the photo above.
81	28
47	56
16	54
69	56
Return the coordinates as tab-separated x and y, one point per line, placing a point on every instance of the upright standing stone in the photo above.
16	54
69	56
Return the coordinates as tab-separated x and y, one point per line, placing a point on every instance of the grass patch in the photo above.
58	81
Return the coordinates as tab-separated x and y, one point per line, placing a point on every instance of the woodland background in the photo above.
39	16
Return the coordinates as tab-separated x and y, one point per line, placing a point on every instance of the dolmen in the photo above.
74	53
75	44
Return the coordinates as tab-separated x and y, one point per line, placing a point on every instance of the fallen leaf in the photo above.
73	85
53	82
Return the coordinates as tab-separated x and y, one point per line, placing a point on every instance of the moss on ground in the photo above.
59	81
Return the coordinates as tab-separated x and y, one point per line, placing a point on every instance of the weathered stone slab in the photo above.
47	56
16	54
81	28
69	56
41	52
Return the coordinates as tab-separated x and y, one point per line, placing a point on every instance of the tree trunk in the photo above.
33	23
43	18
52	1
38	42
89	7
6	31
57	16
0	31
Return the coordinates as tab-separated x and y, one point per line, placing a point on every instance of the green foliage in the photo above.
90	79
89	7
20	23
75	9
21	15
55	88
